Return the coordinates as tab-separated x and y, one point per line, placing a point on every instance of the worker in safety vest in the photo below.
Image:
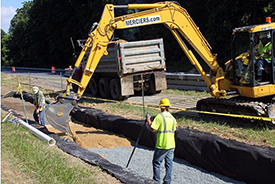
263	53
164	125
40	105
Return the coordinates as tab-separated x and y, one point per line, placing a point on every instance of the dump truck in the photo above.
127	67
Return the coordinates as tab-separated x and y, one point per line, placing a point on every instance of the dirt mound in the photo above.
89	137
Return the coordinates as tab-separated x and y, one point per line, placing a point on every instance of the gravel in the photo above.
141	164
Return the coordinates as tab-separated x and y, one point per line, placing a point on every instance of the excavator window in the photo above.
241	58
247	70
262	58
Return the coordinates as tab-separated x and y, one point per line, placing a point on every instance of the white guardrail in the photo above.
177	80
186	81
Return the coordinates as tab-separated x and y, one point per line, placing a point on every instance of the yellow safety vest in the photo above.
265	49
165	126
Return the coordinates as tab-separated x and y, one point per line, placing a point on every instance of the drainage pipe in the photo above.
7	117
41	135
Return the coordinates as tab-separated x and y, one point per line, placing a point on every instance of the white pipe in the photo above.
7	116
41	135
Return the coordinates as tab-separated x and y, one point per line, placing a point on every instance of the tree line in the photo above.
41	31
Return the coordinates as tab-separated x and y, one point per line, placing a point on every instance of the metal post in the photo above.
23	101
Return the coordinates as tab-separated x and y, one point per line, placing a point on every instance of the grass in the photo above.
12	82
9	80
37	161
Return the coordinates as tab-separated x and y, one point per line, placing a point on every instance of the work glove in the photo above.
147	116
37	111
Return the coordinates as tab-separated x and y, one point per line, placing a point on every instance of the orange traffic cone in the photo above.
53	70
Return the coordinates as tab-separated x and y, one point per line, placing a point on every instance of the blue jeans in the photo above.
260	64
168	156
41	116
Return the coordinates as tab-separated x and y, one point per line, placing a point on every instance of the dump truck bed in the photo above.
133	57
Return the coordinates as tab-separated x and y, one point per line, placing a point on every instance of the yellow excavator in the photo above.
252	97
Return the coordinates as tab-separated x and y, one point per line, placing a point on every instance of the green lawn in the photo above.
38	162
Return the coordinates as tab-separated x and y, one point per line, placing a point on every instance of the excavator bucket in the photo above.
57	114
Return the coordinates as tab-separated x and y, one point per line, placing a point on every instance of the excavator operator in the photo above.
263	55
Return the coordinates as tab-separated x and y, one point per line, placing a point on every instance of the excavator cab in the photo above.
253	65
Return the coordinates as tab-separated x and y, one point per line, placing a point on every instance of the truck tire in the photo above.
152	88
104	87
115	89
93	87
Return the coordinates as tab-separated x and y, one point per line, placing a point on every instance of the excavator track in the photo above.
235	105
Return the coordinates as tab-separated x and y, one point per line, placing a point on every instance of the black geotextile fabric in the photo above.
252	164
118	172
28	97
240	161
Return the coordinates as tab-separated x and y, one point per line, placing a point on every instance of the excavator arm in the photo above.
173	16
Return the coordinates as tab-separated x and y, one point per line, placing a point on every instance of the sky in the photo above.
8	8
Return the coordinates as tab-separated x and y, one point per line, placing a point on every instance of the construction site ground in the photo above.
85	136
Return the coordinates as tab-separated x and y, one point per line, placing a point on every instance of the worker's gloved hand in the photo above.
37	111
147	116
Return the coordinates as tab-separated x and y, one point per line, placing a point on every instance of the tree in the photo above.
4	49
40	31
19	41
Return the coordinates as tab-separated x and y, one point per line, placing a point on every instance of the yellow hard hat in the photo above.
165	102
